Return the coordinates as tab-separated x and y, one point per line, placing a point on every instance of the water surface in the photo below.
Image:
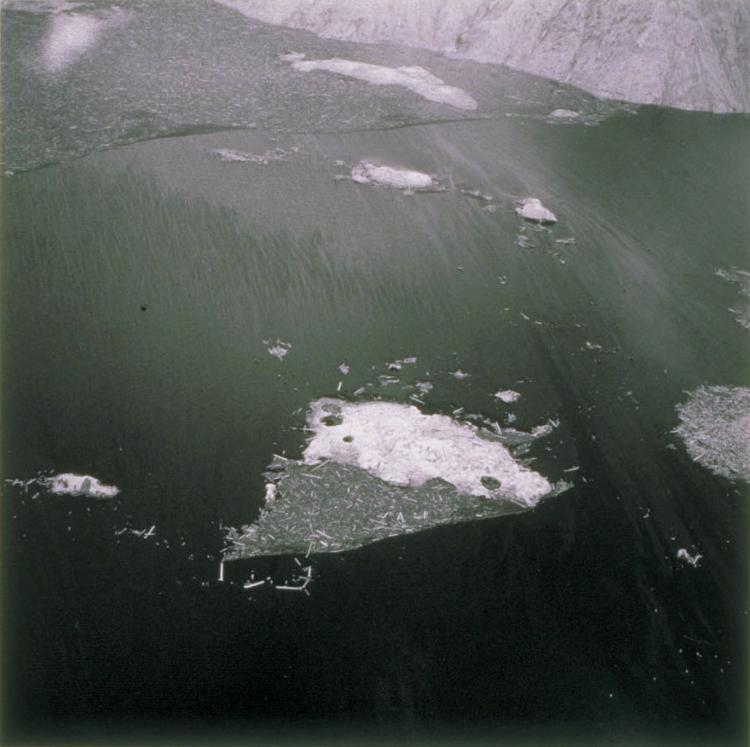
142	281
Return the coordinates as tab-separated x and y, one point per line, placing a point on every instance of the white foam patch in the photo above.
564	114
68	483
414	78
532	209
70	35
366	172
402	446
715	426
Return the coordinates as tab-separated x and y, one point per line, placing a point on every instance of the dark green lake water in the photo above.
140	282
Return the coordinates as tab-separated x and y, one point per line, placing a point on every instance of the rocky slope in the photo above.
690	54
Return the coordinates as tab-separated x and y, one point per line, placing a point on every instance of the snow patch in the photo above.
70	35
402	446
532	209
414	78
67	483
366	172
508	396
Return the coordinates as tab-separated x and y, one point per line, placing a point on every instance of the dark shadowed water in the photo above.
140	281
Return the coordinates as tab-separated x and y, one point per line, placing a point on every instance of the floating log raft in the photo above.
331	507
